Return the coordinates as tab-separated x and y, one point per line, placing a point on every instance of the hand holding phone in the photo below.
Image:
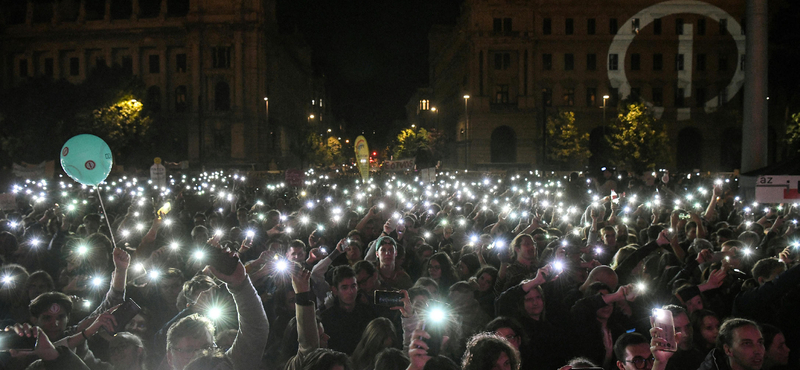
9	339
663	320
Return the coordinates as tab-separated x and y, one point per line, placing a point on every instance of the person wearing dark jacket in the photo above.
740	346
594	334
348	318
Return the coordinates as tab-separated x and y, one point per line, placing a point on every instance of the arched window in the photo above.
504	145
181	99
153	100
222	96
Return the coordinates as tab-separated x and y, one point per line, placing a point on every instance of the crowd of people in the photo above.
606	270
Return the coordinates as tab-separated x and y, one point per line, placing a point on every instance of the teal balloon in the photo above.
86	159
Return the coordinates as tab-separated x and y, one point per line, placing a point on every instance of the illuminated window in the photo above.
180	99
547	97
591	96
569	97
320	102
424	104
501	94
635	25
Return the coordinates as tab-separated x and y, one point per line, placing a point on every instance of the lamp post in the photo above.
605	97
436	111
466	130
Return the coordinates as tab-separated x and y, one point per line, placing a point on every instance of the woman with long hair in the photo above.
379	335
440	268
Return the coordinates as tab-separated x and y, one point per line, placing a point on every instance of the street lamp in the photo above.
605	97
466	126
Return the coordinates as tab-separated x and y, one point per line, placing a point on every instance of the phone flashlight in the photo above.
251	234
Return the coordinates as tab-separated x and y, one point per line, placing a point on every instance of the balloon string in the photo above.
105	215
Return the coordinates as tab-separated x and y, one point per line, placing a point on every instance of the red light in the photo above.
374	154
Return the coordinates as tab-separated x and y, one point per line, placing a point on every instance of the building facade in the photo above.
235	89
507	64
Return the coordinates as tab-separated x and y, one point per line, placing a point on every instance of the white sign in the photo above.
159	175
777	189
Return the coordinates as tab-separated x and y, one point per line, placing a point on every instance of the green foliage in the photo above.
321	152
638	141
48	113
120	125
565	144
427	147
793	132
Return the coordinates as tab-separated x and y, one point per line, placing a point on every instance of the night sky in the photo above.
373	53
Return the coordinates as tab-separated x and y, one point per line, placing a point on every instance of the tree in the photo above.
322	152
565	144
638	141
122	125
427	147
793	133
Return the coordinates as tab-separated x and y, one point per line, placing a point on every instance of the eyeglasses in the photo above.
193	351
641	362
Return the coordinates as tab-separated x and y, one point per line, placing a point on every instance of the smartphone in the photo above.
436	331
12	340
124	314
164	210
663	320
221	261
388	298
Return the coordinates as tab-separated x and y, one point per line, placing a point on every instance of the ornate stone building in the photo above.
219	70
521	60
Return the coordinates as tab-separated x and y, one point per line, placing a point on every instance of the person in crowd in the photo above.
687	356
524	254
390	274
347	318
440	268
740	346
705	324
379	335
190	336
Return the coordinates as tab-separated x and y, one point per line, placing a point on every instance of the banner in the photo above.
158	173
30	171
778	189
399	165
362	157
294	177
428	175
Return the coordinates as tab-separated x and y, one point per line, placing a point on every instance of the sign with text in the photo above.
778	189
399	165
